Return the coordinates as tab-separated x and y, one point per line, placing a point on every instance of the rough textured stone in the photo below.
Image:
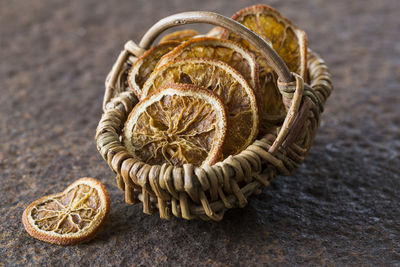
340	208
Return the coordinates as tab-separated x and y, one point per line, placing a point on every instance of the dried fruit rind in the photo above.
145	65
219	49
234	91
179	36
286	39
178	124
70	217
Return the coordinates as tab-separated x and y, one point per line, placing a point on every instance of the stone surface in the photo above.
340	208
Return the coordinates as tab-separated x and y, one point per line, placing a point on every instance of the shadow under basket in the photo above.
191	192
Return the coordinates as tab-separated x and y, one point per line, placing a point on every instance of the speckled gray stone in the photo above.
342	207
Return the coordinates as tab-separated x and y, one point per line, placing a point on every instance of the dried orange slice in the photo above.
179	36
224	50
178	124
145	65
234	91
285	38
70	217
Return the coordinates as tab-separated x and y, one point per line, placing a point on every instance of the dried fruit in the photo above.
70	217
179	36
224	50
286	39
178	124
145	65
227	83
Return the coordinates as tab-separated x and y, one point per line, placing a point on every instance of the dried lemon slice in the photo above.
70	217
286	39
227	83
224	50
178	124
179	36
145	65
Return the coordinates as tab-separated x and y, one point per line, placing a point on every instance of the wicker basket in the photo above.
207	192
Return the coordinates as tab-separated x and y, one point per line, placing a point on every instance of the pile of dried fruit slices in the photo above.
201	99
205	97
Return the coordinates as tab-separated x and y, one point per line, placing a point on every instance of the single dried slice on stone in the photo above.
224	50
234	91
178	124
286	39
70	217
145	65
179	36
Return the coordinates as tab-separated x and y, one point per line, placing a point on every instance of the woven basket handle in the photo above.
213	18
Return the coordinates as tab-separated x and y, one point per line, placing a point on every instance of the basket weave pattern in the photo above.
207	192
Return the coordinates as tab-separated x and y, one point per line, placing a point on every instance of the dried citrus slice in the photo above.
145	65
178	124
70	217
224	50
179	36
285	38
234	91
